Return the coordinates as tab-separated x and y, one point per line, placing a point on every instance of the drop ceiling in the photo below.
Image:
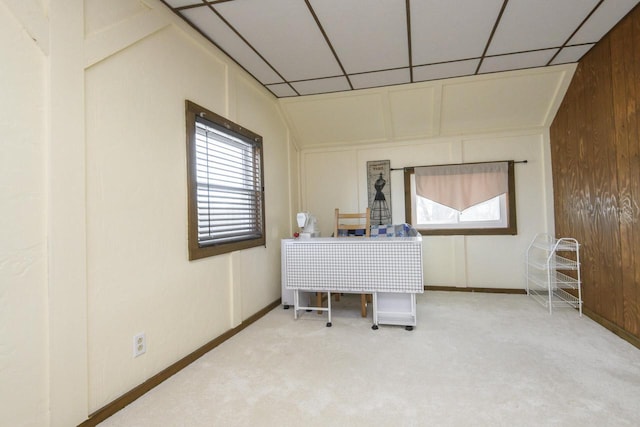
306	47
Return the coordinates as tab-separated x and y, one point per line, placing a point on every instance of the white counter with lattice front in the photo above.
390	268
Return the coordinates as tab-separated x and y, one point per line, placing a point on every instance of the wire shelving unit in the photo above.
553	272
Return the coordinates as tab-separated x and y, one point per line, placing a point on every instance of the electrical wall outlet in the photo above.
139	344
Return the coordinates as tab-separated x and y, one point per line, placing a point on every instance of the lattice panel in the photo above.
354	266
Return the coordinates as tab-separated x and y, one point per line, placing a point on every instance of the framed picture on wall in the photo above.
379	191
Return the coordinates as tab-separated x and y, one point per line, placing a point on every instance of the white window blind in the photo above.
229	187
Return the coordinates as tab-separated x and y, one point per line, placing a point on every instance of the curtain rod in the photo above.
457	164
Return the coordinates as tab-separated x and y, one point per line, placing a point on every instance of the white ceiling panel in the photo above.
571	54
366	35
284	32
380	78
445	30
528	25
445	70
311	87
538	58
303	47
603	19
282	90
215	29
181	3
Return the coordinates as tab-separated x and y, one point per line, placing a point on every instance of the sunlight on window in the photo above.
431	213
462	199
485	211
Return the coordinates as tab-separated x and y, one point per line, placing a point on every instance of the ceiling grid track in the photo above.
408	11
326	38
296	48
575	31
232	28
493	32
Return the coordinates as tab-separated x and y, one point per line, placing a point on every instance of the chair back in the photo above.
353	223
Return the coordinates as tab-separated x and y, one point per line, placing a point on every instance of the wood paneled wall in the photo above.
595	150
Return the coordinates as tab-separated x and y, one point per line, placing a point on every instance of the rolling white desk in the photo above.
390	268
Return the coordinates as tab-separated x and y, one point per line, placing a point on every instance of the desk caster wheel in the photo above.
328	324
409	328
374	327
286	307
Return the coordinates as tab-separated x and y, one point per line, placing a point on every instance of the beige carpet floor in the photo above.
474	359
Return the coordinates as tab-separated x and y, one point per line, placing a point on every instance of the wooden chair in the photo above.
359	225
356	222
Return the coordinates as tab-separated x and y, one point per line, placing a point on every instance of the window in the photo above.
225	185
470	198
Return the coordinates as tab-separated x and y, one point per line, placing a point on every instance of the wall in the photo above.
93	237
139	277
502	116
336	178
595	151
23	245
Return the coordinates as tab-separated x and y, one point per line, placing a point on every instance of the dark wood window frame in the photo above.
510	229
198	246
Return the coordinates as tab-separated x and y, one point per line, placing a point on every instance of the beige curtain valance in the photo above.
462	186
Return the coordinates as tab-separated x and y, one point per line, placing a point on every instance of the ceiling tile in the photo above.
281	90
310	87
380	78
216	30
602	20
538	58
366	35
571	54
529	25
445	70
313	44
181	3
445	30
285	32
